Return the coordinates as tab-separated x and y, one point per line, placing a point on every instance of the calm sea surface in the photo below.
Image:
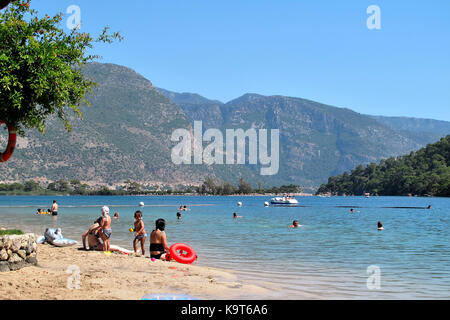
327	257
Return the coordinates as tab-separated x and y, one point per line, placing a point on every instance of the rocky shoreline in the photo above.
17	252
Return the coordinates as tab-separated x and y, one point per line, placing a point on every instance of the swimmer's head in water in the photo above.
160	224
295	223
138	214
380	225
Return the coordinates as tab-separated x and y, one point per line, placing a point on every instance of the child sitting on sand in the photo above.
139	229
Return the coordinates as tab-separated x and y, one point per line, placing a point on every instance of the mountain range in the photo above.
125	135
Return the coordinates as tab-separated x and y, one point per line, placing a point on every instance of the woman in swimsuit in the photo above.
92	234
158	241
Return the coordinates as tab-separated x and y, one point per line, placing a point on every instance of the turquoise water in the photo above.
326	258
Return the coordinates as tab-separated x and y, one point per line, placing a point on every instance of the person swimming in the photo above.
295	224
116	216
178	216
352	210
235	216
380	225
158	241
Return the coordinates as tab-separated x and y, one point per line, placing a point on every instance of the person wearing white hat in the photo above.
106	228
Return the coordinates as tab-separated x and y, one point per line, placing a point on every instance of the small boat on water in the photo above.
284	200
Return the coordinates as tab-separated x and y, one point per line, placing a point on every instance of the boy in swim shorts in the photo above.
106	228
139	229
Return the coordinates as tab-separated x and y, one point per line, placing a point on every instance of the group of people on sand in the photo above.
99	234
100	230
158	240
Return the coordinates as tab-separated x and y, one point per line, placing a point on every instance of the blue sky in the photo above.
319	50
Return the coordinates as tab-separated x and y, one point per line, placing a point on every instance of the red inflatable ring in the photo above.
182	253
11	143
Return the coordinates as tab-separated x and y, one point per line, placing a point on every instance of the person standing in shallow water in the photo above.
54	210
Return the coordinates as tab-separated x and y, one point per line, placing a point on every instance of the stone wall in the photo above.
17	251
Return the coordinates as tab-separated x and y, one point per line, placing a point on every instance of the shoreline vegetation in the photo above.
425	172
10	232
74	187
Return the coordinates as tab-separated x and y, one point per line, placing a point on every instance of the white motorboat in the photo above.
284	200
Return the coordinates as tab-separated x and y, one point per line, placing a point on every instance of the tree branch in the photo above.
4	3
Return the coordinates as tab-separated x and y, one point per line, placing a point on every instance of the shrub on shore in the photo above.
10	232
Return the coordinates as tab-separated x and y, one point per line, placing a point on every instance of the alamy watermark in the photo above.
74	20
374	279
190	147
374	20
74	280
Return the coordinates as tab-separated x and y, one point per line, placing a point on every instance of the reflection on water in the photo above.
327	257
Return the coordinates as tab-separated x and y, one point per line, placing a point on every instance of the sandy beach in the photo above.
117	276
